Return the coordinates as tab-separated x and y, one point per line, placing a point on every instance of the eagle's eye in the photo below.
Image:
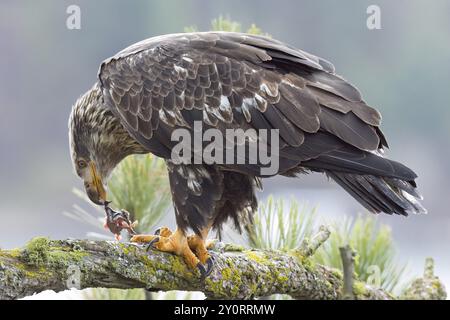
81	164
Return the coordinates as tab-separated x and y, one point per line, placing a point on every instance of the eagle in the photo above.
225	81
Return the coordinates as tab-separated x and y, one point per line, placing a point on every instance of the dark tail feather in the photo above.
380	194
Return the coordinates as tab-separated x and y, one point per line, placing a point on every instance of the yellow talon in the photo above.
177	243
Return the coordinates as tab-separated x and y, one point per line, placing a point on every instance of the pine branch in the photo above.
239	273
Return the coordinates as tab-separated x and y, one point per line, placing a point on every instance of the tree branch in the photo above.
427	288
239	273
348	260
309	247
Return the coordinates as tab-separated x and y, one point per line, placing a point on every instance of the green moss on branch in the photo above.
238	274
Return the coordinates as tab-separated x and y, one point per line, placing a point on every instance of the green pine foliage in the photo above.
226	24
141	186
114	294
275	228
376	260
136	294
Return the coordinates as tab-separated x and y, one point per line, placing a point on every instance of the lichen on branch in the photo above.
239	273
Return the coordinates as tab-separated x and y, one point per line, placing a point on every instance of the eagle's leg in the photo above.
176	243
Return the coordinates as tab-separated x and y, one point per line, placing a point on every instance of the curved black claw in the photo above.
150	244
205	270
202	270
209	266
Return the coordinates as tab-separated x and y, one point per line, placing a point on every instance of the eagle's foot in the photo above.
197	245
200	247
176	243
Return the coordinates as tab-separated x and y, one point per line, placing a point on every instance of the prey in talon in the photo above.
116	221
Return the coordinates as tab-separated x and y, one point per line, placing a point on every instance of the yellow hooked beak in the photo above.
95	188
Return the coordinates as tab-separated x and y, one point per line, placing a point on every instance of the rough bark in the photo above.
348	260
239	273
427	288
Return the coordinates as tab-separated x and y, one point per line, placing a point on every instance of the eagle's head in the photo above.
98	142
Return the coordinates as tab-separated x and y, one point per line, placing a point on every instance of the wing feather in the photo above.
231	80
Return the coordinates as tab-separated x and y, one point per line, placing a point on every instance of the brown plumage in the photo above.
232	80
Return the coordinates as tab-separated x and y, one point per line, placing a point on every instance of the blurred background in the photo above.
403	69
